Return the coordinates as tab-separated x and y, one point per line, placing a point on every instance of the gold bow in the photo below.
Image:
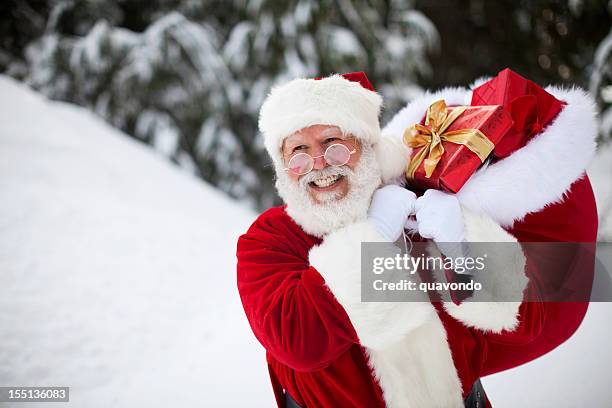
430	138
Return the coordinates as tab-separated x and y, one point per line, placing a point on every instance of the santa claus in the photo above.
340	179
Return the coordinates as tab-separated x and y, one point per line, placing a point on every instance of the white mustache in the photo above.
323	217
327	171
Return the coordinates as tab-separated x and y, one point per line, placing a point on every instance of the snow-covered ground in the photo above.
600	173
576	374
117	278
117	270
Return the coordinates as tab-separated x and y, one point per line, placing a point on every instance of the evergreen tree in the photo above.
601	87
189	77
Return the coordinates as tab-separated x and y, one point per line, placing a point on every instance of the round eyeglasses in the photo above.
335	155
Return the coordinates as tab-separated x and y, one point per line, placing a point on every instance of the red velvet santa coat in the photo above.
301	294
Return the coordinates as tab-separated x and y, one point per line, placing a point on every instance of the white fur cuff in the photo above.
504	278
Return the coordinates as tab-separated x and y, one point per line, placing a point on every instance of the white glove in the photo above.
391	205
439	217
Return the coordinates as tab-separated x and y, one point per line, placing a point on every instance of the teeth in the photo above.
326	181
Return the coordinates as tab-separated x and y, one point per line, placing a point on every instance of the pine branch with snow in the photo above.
192	82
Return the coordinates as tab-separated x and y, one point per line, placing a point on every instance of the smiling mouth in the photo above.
326	183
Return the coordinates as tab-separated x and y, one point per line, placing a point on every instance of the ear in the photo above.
393	156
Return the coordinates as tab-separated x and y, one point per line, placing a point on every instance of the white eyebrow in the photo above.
330	131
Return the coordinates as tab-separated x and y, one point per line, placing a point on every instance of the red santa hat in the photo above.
347	101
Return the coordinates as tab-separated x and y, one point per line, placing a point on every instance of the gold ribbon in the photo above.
430	137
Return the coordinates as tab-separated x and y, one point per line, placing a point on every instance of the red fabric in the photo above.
313	351
531	107
573	220
311	345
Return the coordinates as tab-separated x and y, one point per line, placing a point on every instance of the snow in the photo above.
606	94
600	63
600	174
303	13
418	21
118	277
344	42
161	129
118	269
576	374
236	49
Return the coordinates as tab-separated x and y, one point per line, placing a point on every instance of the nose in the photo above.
319	162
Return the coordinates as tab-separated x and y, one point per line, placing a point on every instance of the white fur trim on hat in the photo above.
333	101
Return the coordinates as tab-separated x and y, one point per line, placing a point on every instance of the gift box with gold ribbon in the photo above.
451	143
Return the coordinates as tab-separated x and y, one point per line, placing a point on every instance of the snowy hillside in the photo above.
600	173
117	271
117	278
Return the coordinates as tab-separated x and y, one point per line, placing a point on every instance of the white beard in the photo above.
331	213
